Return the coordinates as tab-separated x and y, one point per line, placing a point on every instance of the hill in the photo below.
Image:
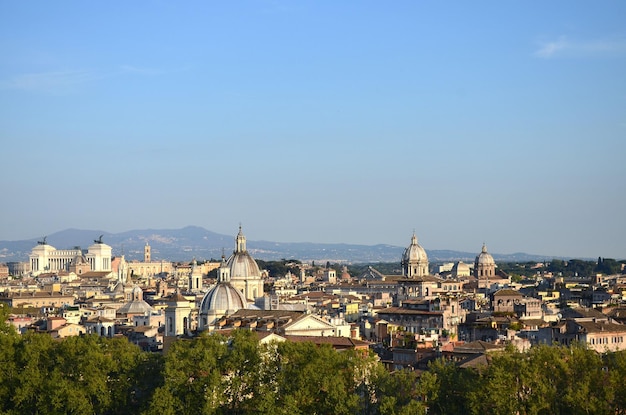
196	242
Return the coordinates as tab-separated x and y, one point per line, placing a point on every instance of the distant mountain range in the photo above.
196	242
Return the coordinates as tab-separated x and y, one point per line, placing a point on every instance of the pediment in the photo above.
310	322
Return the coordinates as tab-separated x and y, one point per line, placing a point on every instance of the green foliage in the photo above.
608	266
397	393
573	267
517	270
80	375
280	268
213	374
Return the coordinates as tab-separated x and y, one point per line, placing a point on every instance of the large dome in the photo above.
242	265
414	260
223	298
485	258
415	252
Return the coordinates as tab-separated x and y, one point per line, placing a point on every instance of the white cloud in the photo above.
564	47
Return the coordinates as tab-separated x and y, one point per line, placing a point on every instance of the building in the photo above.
440	316
149	268
46	258
223	299
135	307
484	265
244	271
38	299
177	316
599	335
513	302
414	260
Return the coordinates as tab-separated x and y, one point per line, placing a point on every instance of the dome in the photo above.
460	269
415	252
414	260
223	297
242	265
485	258
137	305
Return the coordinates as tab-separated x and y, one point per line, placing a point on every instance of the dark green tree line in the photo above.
213	374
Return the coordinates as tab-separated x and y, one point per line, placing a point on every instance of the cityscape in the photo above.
312	207
458	314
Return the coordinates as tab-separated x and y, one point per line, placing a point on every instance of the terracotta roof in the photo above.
143	329
475	361
593	327
508	292
336	342
478	346
407	311
581	312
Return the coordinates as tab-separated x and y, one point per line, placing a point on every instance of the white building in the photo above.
46	258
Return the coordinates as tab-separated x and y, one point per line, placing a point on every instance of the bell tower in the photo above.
146	253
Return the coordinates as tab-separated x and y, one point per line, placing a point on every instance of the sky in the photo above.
319	121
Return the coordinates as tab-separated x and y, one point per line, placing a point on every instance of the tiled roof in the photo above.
406	311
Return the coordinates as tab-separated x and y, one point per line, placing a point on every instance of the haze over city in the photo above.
500	123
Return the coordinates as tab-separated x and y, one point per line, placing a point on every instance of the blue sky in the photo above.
319	121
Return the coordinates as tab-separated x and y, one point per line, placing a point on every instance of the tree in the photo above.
316	380
445	386
395	393
192	377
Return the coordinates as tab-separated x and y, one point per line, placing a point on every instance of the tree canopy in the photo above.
214	374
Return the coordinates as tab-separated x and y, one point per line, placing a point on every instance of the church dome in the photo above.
242	265
137	305
223	297
415	252
414	260
485	258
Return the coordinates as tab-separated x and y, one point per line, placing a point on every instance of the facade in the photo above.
601	336
177	316
513	302
46	258
18	269
38	299
284	323
68	330
441	315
